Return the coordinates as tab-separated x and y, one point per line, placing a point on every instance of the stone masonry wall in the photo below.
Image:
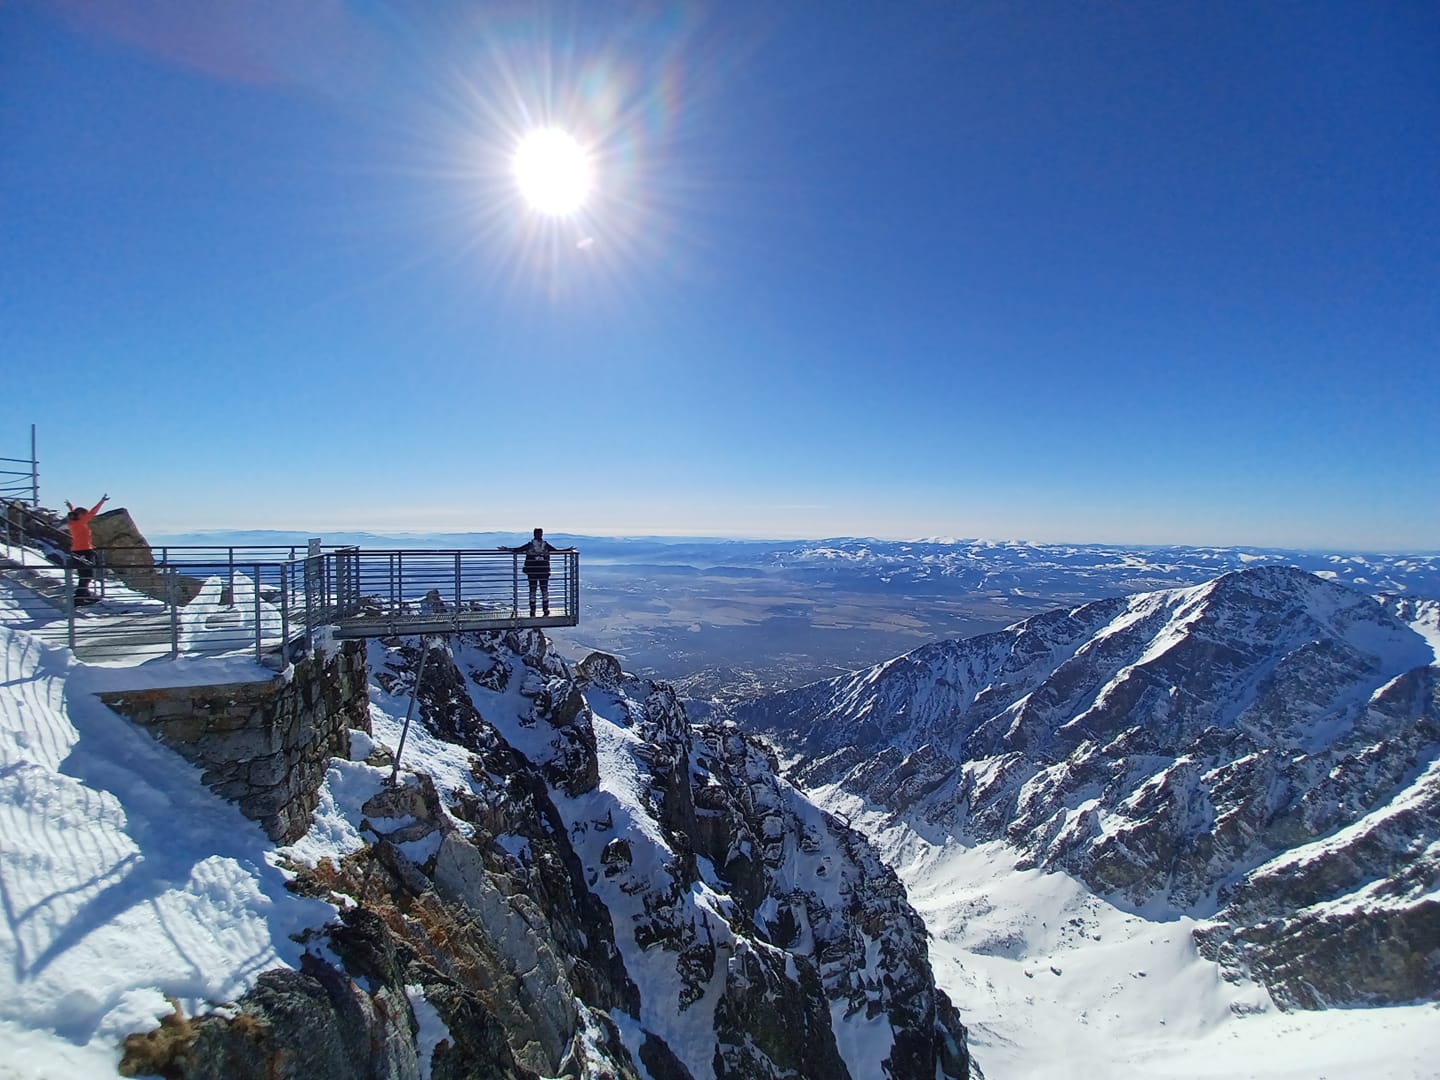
263	745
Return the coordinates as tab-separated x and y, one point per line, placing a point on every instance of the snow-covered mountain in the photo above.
938	564
746	933
1261	752
1087	570
569	880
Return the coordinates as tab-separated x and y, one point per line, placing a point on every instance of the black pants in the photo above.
84	563
542	582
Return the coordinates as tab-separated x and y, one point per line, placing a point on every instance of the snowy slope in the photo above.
565	881
1057	982
1247	766
124	881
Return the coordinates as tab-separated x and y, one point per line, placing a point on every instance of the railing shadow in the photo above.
161	832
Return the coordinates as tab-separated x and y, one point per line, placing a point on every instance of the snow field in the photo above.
1056	983
123	881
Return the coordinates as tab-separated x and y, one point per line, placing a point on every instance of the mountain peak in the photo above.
1164	747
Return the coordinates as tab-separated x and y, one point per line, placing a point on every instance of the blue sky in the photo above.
1126	272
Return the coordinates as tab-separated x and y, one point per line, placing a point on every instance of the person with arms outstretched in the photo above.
537	567
82	547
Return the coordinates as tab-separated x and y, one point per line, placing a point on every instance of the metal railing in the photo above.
174	601
428	592
21	483
30	533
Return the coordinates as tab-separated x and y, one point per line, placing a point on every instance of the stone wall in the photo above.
263	745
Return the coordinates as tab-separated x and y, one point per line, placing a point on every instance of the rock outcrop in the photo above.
571	880
123	550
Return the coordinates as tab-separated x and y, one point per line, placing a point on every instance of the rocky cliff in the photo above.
1262	751
569	879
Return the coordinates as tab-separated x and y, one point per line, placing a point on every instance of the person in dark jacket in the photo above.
537	567
82	546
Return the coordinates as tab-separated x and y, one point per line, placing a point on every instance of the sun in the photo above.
554	172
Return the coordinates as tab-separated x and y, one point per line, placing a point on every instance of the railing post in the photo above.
284	612
70	602
172	595
34	472
309	606
573	610
514	585
457	582
259	622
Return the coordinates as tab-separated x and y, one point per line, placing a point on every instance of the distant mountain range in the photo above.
1261	751
941	566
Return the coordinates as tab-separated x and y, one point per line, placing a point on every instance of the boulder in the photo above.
123	550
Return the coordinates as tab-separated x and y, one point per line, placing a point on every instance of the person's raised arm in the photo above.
96	508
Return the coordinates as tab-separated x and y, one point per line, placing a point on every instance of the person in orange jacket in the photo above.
82	546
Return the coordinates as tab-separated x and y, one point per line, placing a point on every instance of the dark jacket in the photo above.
537	557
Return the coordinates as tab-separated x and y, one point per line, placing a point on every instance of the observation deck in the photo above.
273	601
383	593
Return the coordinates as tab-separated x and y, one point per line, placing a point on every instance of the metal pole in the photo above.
70	600
309	605
172	593
410	709
457	582
284	613
259	626
34	472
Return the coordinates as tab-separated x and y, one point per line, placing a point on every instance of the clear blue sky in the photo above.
1128	272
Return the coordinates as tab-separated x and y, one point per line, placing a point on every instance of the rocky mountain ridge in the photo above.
1262	751
571	880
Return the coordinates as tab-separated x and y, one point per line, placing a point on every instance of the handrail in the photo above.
200	601
29	479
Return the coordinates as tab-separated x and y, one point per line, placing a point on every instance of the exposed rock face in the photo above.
610	859
124	551
599	892
1261	750
319	1023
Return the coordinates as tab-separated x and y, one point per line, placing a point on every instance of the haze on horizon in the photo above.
1129	274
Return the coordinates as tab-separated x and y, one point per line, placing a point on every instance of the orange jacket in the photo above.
79	522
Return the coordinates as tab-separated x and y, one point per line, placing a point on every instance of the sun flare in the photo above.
553	171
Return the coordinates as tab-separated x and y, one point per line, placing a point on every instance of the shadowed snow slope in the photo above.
123	880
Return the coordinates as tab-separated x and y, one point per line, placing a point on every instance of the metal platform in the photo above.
383	593
362	627
174	602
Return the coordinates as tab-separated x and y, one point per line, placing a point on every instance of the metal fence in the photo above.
23	483
171	601
437	591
